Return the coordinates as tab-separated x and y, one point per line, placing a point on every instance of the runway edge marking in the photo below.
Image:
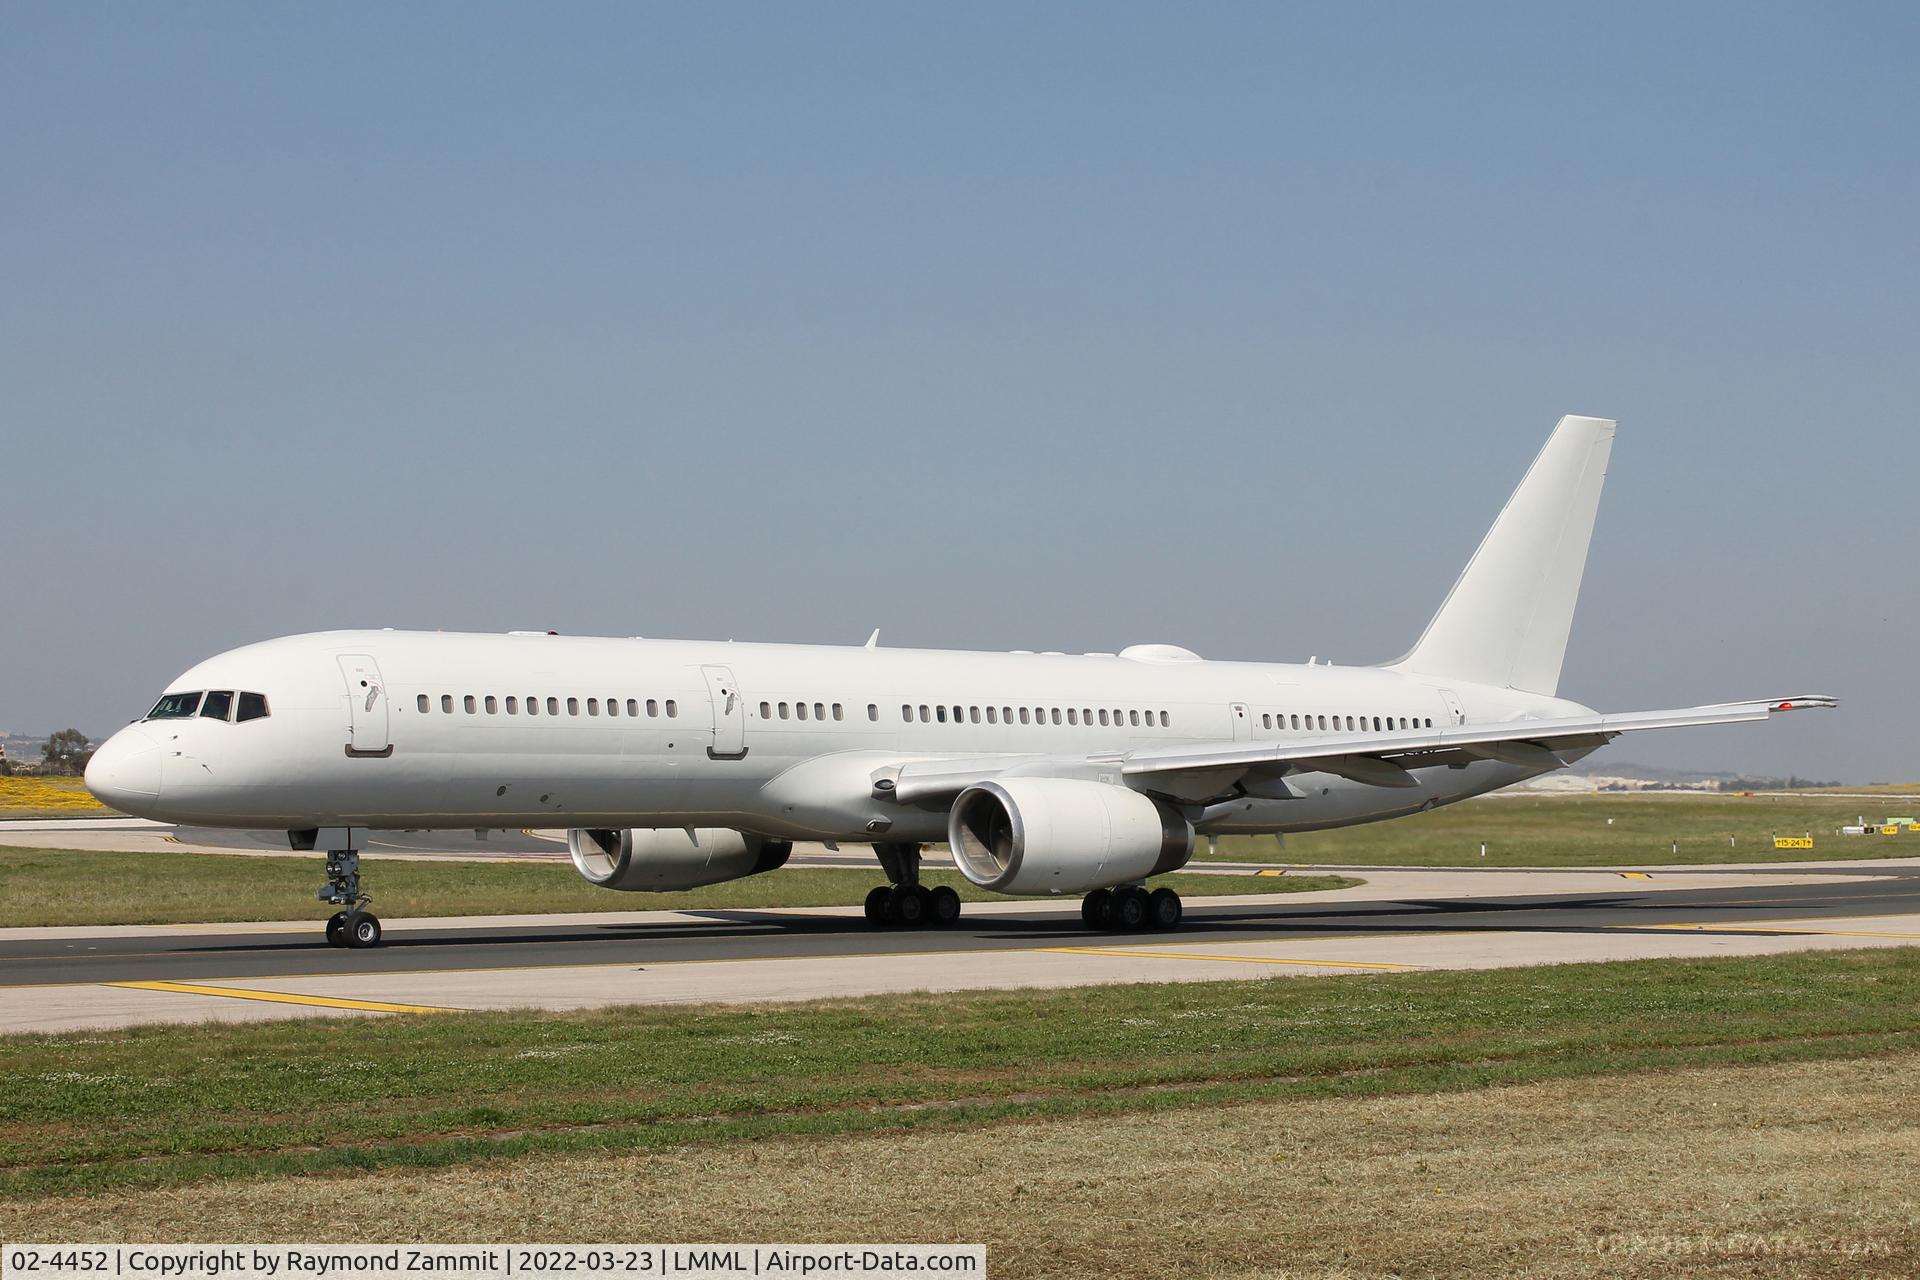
1135	954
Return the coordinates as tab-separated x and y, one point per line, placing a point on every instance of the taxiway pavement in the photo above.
64	979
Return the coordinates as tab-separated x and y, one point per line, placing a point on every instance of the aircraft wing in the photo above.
1381	759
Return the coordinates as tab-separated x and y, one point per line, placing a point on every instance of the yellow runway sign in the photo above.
1793	842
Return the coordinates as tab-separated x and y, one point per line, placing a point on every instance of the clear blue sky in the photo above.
990	325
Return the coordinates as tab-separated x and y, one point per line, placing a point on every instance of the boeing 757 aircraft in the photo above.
675	764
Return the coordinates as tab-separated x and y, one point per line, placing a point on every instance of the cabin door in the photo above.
1458	712
366	706
729	714
1242	722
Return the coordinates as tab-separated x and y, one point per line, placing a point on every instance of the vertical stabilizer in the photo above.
1506	620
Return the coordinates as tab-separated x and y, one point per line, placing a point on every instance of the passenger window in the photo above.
1133	718
673	708
766	711
924	717
633	707
513	705
957	716
533	706
1266	720
800	710
573	706
941	712
553	706
593	706
1073	717
471	704
1086	715
993	715
446	704
1023	715
973	714
218	706
1056	715
422	702
1103	717
1006	715
1164	720
783	710
493	705
837	714
653	707
253	706
873	712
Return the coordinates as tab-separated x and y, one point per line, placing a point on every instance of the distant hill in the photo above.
1624	775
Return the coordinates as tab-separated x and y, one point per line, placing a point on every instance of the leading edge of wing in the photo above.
1418	741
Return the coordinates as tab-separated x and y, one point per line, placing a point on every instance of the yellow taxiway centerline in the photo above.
1761	926
281	997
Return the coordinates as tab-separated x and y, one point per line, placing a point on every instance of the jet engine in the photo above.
1063	835
661	860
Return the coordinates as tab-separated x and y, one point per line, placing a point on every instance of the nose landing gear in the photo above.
355	926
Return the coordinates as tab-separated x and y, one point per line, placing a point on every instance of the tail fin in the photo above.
1506	620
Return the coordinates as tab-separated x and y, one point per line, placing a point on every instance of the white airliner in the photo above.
681	763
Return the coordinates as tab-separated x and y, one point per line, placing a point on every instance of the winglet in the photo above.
873	641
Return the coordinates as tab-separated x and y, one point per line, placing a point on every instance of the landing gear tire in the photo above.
1094	908
943	906
1129	910
362	930
879	904
910	905
337	929
1164	909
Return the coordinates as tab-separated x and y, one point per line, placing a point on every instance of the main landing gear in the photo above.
906	902
355	926
1130	908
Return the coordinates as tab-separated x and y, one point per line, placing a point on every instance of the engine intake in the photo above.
662	860
1063	835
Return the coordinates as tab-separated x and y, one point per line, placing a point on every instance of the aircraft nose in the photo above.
124	773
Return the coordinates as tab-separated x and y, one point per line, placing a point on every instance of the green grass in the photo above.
76	887
1573	831
162	1106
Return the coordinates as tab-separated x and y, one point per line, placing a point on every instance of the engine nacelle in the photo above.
665	859
1062	835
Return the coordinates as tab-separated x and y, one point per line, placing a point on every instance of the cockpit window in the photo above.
175	706
253	706
218	706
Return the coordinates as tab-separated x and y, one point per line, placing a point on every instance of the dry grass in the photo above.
1786	1170
1594	831
47	798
